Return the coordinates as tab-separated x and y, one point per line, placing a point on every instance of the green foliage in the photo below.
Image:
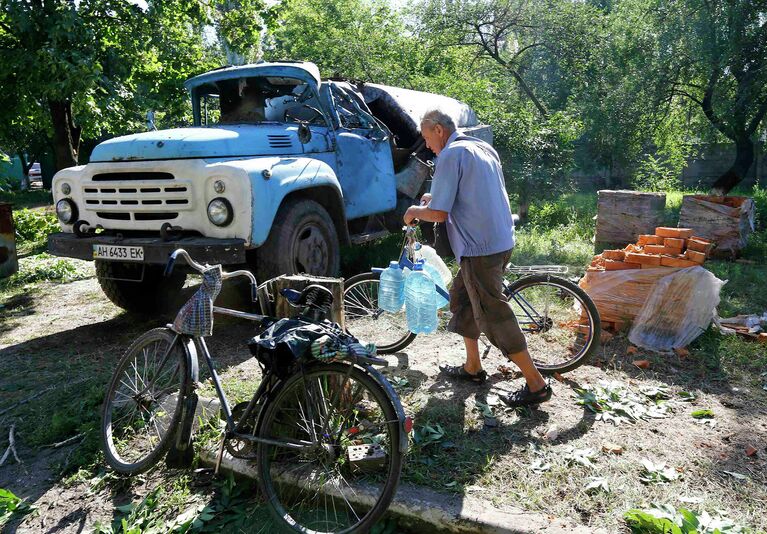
665	519
34	225
11	505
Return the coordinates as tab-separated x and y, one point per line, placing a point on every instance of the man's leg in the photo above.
473	365
535	380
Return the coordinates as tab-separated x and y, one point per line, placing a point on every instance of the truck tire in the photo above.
153	294
303	239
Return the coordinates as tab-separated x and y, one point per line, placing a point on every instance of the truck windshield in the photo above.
256	100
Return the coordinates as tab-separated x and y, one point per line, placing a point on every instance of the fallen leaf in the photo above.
682	352
641	364
750	450
702	414
612	448
632	350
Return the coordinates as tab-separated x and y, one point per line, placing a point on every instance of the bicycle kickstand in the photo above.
220	455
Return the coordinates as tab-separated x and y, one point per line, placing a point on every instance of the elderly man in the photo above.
468	192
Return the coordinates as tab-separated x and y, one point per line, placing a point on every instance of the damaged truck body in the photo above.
279	169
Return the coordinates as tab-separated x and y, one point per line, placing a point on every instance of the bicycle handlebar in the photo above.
180	252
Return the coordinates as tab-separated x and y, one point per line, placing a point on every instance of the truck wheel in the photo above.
303	239
154	293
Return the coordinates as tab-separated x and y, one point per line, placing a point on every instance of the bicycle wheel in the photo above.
560	322
344	479
366	321
142	407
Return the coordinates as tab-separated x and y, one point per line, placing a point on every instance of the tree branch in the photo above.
708	106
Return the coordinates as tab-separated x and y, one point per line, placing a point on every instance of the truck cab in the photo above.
278	170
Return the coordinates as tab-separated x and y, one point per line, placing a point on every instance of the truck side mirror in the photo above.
304	133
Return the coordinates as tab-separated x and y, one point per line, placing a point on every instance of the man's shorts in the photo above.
479	306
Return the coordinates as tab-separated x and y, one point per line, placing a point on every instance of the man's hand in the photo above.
425	199
411	214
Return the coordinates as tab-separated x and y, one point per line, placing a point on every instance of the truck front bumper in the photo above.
203	249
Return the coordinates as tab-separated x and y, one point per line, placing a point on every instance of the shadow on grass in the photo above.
471	445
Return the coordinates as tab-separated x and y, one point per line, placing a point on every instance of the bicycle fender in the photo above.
396	404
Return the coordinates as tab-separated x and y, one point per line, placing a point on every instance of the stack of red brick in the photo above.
668	247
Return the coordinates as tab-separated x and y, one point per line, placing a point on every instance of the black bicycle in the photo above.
327	430
560	321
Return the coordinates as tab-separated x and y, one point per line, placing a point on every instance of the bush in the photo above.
33	226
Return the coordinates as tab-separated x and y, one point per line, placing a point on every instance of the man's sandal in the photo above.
459	373
525	397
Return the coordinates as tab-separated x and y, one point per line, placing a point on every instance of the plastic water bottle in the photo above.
437	278
420	301
391	289
430	255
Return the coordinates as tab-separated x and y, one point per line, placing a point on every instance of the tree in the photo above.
714	53
94	67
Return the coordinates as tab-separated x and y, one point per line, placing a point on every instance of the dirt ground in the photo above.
63	339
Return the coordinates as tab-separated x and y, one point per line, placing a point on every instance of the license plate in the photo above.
118	253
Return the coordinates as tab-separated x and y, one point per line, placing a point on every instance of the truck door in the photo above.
363	157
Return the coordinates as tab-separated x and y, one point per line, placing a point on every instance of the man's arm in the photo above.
424	213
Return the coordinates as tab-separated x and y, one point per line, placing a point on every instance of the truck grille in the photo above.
138	201
118	176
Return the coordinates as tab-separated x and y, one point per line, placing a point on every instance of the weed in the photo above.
665	519
12	506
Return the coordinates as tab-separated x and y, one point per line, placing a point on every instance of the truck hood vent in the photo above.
280	141
116	176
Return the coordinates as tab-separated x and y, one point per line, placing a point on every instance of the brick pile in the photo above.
667	247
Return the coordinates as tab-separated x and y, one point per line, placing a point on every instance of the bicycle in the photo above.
560	321
326	429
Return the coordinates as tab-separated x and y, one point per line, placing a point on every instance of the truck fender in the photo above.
280	178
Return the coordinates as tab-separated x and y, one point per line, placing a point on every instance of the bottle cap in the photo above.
394	264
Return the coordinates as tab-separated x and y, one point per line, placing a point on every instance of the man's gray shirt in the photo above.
468	184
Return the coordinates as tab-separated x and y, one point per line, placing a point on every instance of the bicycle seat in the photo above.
313	295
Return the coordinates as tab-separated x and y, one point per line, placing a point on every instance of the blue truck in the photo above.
278	171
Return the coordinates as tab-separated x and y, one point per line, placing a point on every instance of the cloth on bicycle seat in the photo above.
195	318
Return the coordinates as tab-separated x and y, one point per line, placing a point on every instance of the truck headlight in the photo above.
220	212
66	211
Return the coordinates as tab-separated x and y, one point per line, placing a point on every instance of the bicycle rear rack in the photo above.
537	269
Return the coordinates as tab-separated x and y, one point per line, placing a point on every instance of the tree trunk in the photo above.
66	136
744	158
25	166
